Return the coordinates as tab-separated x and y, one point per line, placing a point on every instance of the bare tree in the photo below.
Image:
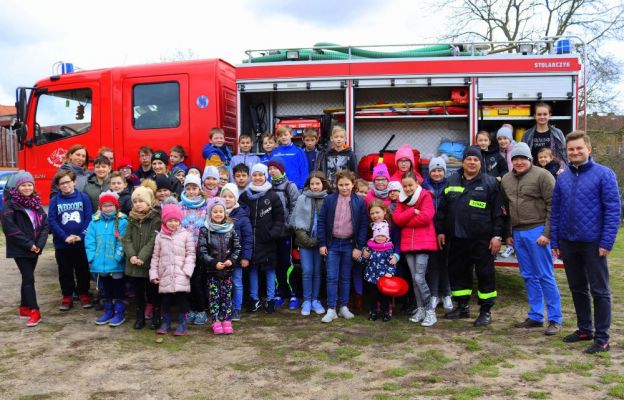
596	21
179	55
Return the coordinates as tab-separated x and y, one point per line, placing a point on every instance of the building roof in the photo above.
7	111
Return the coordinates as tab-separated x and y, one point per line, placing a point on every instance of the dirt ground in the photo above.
289	356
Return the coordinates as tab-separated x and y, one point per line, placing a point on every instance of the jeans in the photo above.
358	277
339	272
311	273
253	282
584	267
536	268
237	288
26	266
417	263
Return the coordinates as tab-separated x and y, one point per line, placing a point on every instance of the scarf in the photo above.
279	180
165	230
255	192
210	192
228	211
192	202
139	216
374	246
381	194
33	201
410	200
223	227
305	214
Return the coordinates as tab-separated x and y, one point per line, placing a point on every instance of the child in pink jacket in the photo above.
173	262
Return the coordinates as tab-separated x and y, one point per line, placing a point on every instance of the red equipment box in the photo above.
299	125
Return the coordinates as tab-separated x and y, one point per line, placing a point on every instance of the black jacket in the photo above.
217	247
495	164
266	215
19	231
471	209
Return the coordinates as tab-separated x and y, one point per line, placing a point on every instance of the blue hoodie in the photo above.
295	163
69	214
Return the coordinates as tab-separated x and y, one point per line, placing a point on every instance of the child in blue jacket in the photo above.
295	160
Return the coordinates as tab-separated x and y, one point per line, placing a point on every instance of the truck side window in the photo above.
62	114
156	105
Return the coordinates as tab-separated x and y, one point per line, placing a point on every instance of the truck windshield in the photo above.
62	114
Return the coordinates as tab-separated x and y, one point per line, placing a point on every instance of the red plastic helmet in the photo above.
393	286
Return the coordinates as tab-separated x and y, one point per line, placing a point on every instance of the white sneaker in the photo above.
434	302
430	318
345	313
447	303
330	316
508	252
419	315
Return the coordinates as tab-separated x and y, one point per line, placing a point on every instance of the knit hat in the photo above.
176	170
260	168
394	185
437	163
210	172
145	194
199	172
278	163
170	211
163	182
381	229
160	155
231	187
22	177
521	150
124	162
381	170
472	151
213	202
108	197
192	179
505	131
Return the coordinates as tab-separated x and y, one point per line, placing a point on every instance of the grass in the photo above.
538	395
617	391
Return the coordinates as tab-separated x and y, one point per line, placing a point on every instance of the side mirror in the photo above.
21	103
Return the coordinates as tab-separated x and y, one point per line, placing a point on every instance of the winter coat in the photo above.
69	215
266	215
242	226
19	231
557	143
303	222
139	241
494	164
417	231
103	245
216	156
125	200
81	178
405	151
312	156
288	194
506	154
93	189
378	263
553	167
585	206
331	161
436	189
214	247
370	196
359	220
295	163
249	159
193	218
528	198
173	261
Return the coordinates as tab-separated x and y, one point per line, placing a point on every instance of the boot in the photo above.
140	319
485	317
165	325
358	302
270	307
108	314
462	311
181	329
120	314
155	318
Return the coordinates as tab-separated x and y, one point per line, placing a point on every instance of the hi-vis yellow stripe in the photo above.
477	204
461	293
458	189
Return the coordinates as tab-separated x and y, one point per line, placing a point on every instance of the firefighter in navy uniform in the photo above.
470	221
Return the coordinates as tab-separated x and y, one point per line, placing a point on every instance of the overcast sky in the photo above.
35	34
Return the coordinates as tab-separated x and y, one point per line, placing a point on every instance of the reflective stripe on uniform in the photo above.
477	204
461	293
485	296
458	189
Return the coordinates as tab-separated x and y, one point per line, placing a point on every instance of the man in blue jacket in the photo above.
585	217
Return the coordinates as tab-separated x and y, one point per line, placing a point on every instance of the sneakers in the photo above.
149	309
255	306
434	302
120	315
35	317
317	307
553	329
181	329
201	318
24	312
508	252
278	302
418	316
578	336
217	328
66	303
293	304
529	323
107	316
227	327
306	307
345	313
165	325
236	315
430	318
85	300
270	307
597	348
329	316
190	317
447	303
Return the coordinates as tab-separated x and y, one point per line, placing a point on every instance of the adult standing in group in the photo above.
160	160
542	134
585	219
77	161
470	220
527	190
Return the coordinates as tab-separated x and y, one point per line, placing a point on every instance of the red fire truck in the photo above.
423	96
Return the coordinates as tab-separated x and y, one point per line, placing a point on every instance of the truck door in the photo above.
64	115
155	113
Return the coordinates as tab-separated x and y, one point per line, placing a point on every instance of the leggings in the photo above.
417	263
26	267
377	296
144	289
181	299
220	298
114	289
198	289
